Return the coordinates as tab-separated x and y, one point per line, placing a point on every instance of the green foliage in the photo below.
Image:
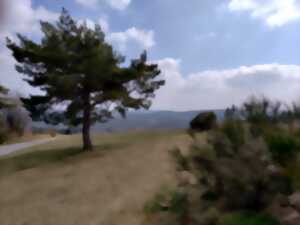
169	201
180	160
235	171
5	101
3	130
262	110
76	67
282	146
247	219
204	121
234	130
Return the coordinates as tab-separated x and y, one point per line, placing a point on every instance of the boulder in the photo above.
285	215
292	217
294	200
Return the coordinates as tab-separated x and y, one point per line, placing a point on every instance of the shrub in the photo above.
52	132
181	161
247	219
234	130
282	146
204	121
173	202
3	131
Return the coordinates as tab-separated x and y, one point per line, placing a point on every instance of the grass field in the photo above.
58	184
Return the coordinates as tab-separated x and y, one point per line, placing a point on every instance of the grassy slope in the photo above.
63	186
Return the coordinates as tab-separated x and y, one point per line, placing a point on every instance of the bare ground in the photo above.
98	188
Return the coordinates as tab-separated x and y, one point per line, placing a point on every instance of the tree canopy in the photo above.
83	79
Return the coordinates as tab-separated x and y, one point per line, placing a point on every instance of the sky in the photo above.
212	53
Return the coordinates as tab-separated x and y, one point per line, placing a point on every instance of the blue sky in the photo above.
213	53
204	34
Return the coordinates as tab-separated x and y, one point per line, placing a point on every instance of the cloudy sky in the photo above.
212	53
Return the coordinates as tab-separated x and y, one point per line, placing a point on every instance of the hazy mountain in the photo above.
151	120
143	120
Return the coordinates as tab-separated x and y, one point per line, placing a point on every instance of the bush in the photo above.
17	120
282	146
247	219
234	130
204	121
173	202
3	131
181	161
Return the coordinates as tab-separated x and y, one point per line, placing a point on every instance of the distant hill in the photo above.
144	120
151	120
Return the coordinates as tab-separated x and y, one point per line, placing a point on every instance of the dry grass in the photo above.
106	187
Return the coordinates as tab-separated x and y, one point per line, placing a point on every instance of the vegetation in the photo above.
247	219
5	101
82	73
245	166
12	119
204	121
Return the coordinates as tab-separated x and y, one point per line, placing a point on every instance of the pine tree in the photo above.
81	75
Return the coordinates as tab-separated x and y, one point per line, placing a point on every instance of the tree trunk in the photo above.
87	143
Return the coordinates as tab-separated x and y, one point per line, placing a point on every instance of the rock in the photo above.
282	200
186	178
274	170
292	218
294	200
285	215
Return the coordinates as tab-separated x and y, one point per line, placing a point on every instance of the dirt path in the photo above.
90	189
8	149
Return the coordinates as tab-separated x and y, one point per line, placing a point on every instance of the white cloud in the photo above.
206	36
91	24
19	17
132	38
220	89
104	24
88	3
119	4
144	38
115	4
274	13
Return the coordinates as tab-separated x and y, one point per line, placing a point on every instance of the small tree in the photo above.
81	75
5	102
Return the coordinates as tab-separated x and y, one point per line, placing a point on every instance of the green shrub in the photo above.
182	162
167	200
3	131
247	219
234	130
204	121
282	146
156	204
244	179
